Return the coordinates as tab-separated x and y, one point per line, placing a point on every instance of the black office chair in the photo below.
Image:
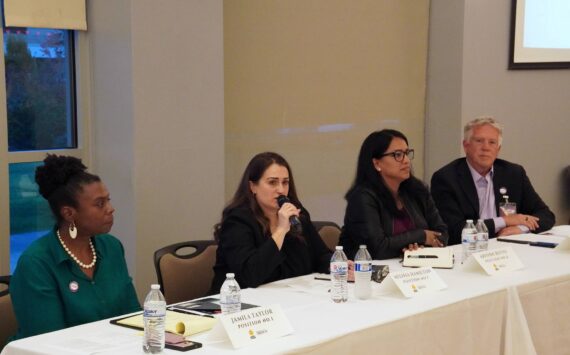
329	232
8	324
565	182
185	270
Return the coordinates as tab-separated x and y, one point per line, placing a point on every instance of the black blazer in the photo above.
368	221
456	198
254	257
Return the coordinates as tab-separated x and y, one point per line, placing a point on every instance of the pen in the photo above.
328	279
423	256
512	241
322	278
187	311
543	244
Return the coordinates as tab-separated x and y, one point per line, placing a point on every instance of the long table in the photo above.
519	312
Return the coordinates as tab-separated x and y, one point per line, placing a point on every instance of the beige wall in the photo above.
158	124
311	79
533	105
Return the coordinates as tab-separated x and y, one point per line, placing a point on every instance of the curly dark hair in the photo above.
60	179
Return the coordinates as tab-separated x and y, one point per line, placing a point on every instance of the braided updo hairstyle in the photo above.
60	179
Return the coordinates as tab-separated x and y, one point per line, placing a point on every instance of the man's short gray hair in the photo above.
481	121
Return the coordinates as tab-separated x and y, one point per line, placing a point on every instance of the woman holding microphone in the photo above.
265	233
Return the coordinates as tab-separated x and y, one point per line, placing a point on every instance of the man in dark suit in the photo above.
474	186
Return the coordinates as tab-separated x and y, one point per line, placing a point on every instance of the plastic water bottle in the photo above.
339	276
469	239
482	236
154	317
230	297
362	273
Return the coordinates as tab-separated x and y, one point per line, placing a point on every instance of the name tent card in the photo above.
498	260
414	282
256	325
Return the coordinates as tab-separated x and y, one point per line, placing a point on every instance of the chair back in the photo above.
185	270
565	180
8	324
329	232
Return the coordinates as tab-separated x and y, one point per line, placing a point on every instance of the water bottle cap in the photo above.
230	275
155	287
469	221
362	246
338	247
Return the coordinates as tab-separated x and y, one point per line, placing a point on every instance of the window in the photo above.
39	89
30	215
40	117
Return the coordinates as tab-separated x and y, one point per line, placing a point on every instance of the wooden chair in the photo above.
329	232
8	324
185	270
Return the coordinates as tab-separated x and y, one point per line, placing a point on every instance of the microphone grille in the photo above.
281	199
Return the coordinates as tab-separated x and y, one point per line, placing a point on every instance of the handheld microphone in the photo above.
294	220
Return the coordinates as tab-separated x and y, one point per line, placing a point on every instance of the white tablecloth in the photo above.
519	312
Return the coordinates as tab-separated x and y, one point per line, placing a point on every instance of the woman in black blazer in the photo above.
388	209
255	238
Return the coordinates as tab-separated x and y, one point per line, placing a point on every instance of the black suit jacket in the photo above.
455	195
254	257
368	221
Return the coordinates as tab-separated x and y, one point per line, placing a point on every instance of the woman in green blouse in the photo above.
77	272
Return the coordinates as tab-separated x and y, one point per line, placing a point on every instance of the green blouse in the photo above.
50	292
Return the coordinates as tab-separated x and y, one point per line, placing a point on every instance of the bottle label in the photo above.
155	310
362	266
339	267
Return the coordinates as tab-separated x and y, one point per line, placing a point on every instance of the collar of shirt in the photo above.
476	176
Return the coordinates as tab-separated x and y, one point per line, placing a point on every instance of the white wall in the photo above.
533	105
157	121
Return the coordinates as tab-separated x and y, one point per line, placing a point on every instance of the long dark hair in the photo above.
243	196
60	179
373	147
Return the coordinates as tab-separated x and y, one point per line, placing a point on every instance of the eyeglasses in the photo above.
398	155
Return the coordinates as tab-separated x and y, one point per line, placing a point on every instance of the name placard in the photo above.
498	260
256	325
414	282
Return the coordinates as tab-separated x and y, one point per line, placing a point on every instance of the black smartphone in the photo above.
178	342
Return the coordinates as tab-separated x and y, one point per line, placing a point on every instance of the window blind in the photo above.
60	14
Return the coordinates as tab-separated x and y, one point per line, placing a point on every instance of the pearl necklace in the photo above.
85	266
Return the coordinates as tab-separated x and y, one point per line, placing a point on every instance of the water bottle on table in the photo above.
339	276
362	273
482	236
230	297
154	316
469	239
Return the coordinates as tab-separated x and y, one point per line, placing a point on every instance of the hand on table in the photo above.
432	239
411	247
521	219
